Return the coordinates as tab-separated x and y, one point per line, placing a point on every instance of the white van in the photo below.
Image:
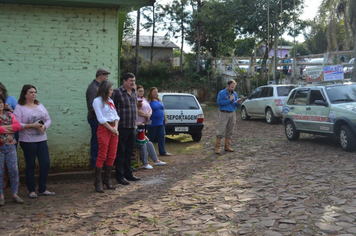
184	114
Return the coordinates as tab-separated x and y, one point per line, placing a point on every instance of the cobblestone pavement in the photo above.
268	186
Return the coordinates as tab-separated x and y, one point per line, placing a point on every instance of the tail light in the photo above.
278	102
200	118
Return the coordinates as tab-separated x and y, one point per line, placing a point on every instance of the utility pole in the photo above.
137	49
275	56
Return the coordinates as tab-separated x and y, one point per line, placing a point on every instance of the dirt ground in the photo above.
198	192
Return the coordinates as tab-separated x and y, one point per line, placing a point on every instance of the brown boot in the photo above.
217	145
106	179
227	145
97	182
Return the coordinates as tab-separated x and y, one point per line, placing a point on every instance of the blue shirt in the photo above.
286	61
225	103
157	117
11	101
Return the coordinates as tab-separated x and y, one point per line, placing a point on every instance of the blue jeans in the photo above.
94	146
160	132
124	153
30	151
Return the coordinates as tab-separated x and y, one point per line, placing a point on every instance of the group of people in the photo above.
118	119
30	119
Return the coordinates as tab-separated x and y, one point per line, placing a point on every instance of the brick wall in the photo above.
58	50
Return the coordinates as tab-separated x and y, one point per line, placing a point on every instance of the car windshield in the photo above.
342	93
179	102
284	91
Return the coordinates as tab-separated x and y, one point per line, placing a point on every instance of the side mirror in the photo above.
321	103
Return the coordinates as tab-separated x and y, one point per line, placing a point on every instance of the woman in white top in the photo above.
107	133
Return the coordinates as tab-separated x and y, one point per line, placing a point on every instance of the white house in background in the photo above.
162	47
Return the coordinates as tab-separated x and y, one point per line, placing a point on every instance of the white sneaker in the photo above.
160	163
148	167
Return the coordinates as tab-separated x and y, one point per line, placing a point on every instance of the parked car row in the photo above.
322	109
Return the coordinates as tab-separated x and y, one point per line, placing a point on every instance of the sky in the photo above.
310	10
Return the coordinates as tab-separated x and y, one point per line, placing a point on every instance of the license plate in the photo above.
181	129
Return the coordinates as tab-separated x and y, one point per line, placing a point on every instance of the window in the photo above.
256	93
265	92
179	102
284	91
315	95
301	97
291	98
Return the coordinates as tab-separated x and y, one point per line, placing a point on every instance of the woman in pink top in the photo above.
34	121
8	126
145	112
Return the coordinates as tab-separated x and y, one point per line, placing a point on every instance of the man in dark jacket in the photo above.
101	75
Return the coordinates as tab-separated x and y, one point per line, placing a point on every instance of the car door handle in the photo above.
308	108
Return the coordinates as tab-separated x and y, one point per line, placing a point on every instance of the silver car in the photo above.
323	109
266	102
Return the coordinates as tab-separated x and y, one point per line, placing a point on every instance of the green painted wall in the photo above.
58	50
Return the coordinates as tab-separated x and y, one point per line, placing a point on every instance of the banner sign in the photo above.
335	72
315	74
324	73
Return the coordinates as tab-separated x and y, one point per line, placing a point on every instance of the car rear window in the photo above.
179	102
284	91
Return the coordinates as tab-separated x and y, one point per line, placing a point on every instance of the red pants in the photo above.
107	146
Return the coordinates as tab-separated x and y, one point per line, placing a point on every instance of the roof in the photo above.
126	5
146	41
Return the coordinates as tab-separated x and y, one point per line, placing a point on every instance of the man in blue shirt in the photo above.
227	102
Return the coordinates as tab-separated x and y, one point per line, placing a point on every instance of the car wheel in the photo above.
196	136
244	115
291	132
347	138
270	117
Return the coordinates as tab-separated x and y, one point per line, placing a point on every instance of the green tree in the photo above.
178	18
267	20
315	40
129	25
302	50
176	52
217	34
153	16
196	27
244	47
